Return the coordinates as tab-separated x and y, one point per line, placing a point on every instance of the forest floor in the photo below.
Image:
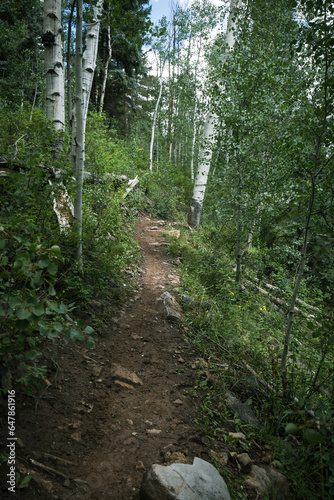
96	437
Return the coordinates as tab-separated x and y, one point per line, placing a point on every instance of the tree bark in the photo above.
196	206
105	77
154	120
80	135
55	98
299	277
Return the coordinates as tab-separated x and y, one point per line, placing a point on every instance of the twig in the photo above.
59	460
50	470
15	144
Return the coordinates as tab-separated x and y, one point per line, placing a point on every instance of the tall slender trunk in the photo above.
196	206
68	68
80	135
155	119
55	99
105	77
88	70
299	277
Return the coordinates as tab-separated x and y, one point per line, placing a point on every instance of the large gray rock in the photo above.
269	480
245	413
172	308
199	481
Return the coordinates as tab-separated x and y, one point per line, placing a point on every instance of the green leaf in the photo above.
44	261
52	291
291	428
22	313
14	302
25	482
89	330
52	269
90	343
55	250
39	310
58	327
313	437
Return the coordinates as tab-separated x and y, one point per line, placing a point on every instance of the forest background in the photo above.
251	111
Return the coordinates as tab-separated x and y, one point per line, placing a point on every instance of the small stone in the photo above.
20	442
153	432
178	402
66	483
180	360
120	373
129	421
125	385
244	459
220	457
237	435
76	436
140	466
96	371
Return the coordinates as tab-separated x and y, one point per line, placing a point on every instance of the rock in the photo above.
244	459
266	481
125	385
237	435
199	481
178	402
175	457
76	436
140	466
175	233
129	421
188	301
245	413
123	374
96	371
220	457
172	308
153	432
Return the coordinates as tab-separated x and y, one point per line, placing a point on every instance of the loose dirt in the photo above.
86	436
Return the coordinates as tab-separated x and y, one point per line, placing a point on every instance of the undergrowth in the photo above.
240	333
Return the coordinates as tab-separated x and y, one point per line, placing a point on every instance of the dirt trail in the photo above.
108	433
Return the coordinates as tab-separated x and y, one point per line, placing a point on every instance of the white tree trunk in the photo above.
79	129
196	206
154	122
105	78
85	68
55	93
90	55
88	69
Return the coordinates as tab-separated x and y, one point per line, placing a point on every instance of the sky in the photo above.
162	8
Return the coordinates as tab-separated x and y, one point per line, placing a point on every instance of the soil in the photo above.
97	436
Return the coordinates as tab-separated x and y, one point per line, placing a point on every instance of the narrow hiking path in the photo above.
94	428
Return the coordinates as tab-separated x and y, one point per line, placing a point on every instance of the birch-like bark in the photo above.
90	55
52	31
155	119
69	83
80	135
105	77
88	69
196	206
